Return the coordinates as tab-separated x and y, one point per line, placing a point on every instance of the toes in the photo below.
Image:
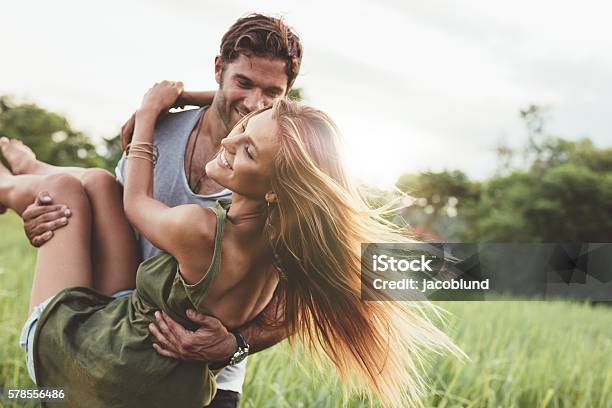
19	145
5	143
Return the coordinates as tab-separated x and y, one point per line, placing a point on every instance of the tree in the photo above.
561	192
437	199
49	135
564	193
296	94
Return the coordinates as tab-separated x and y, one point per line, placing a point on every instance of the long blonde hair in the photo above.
318	226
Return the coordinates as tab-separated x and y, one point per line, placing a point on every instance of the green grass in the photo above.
17	261
524	354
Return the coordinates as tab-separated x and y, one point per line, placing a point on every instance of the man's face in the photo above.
247	84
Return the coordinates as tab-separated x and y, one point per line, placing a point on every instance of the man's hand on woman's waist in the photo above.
210	343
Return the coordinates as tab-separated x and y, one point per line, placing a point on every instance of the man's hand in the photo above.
43	217
127	131
211	343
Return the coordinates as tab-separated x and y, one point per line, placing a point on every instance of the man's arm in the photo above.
267	329
212	342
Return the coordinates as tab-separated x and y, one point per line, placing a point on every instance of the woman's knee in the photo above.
99	180
64	185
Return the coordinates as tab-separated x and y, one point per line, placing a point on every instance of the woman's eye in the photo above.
246	149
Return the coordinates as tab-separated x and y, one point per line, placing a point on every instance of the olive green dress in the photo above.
100	350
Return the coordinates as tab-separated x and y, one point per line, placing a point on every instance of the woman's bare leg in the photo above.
23	160
115	252
64	261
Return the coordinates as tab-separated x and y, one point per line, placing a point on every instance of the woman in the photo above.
293	210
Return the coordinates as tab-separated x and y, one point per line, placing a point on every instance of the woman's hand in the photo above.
196	98
162	96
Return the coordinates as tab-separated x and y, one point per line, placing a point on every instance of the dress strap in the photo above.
197	291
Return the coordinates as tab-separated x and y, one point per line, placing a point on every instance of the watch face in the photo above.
242	352
239	356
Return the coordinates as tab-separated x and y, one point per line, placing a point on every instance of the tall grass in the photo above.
524	354
17	260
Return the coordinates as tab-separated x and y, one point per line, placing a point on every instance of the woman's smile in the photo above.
223	160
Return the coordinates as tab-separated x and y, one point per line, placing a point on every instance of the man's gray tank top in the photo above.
170	186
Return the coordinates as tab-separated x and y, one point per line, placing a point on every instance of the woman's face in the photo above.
244	163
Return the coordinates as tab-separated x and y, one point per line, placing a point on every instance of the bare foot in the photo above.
4	172
19	156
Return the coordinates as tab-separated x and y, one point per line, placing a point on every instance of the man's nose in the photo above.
255	100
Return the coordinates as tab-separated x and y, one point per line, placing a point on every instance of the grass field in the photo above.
524	354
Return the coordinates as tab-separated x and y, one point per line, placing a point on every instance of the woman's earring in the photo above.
270	198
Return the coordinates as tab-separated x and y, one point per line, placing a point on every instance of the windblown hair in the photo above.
263	36
318	226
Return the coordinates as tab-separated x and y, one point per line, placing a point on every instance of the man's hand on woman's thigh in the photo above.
42	217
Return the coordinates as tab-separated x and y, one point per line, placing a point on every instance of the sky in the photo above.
412	85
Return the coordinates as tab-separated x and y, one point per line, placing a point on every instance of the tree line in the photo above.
549	190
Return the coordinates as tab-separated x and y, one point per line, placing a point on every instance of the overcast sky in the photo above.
413	85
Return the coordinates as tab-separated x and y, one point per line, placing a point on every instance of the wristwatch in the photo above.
242	352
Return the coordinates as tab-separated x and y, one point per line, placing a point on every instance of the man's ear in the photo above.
271	197
218	69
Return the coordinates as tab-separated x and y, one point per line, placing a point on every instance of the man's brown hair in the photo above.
266	37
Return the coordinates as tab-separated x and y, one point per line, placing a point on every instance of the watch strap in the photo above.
240	340
241	345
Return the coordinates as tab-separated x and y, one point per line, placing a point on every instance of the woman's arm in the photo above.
197	98
178	230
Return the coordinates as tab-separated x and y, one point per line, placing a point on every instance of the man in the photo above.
259	60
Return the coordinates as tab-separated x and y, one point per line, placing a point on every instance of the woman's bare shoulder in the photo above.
198	226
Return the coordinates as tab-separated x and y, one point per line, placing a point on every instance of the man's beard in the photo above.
224	110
